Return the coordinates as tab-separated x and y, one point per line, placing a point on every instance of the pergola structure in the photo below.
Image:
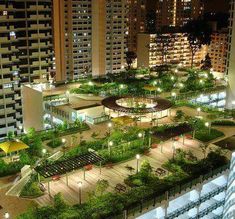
68	165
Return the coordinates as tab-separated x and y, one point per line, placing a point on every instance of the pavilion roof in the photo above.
13	146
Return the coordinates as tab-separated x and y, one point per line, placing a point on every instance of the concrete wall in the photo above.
32	108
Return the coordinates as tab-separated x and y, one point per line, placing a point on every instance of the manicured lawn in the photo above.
204	136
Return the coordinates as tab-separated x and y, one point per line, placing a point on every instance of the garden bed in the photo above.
223	123
204	135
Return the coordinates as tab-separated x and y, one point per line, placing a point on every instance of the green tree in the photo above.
10	135
59	203
198	33
101	186
146	169
130	58
206	63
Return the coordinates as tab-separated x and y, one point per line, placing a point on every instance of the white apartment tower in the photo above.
231	58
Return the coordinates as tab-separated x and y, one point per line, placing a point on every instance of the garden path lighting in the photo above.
63	140
208	125
90	83
137	162
173	94
80	192
44	151
110	126
198	111
6	215
110	144
181	85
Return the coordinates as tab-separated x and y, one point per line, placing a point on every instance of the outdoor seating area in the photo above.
120	188
160	172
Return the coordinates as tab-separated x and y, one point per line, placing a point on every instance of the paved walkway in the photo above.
114	175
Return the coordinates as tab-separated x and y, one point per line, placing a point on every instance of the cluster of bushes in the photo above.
55	142
204	135
31	189
184	168
223	123
9	168
125	144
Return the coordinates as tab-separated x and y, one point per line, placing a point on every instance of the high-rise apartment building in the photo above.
25	54
176	13
89	37
72	38
109	30
230	68
136	22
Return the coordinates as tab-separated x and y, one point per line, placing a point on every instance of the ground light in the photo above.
6	215
80	192
137	162
198	111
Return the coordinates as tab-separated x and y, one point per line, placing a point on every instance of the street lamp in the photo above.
198	111
44	151
173	149
173	94
109	127
6	215
90	83
80	192
207	124
110	144
137	162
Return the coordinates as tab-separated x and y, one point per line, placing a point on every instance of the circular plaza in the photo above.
144	108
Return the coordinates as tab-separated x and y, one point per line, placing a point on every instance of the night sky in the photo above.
217	6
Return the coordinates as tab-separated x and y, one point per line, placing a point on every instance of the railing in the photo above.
229	204
152	201
230	215
209	209
193	204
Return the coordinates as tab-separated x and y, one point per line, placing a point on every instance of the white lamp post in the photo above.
207	124
110	144
80	191
198	111
6	215
137	162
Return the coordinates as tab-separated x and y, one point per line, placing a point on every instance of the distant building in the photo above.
176	13
136	22
218	51
149	51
